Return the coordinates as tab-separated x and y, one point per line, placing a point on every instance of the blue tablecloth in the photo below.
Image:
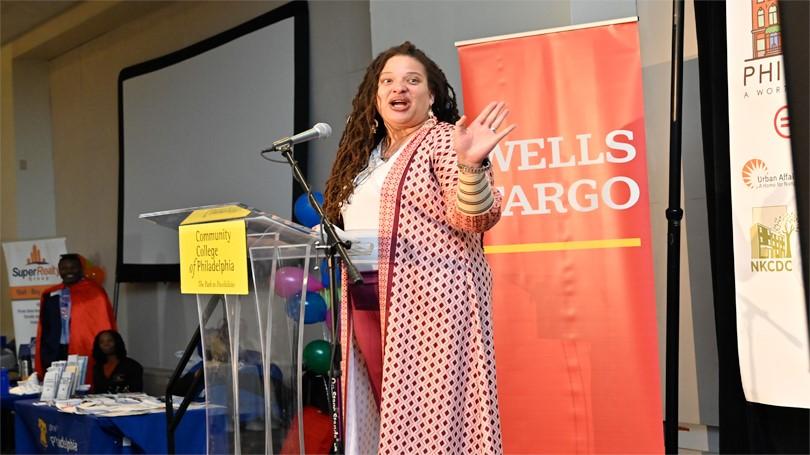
7	420
43	429
7	401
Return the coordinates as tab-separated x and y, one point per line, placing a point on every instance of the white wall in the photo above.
34	163
584	11
340	50
434	27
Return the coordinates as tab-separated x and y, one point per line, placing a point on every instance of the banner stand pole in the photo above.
115	298
674	215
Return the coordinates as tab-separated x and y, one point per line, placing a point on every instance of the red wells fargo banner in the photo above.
574	307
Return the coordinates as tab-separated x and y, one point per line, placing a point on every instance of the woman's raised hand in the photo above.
473	142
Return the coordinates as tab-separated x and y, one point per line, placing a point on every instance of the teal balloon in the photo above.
317	356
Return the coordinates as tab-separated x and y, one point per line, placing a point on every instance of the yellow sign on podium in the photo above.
213	258
222	213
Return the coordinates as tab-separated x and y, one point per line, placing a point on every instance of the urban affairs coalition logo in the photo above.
772	230
755	175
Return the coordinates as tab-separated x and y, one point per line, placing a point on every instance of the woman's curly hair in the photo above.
365	127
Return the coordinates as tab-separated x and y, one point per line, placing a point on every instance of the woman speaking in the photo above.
418	360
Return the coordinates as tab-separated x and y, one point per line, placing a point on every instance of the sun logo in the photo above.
751	170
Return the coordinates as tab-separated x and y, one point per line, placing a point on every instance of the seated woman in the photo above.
114	372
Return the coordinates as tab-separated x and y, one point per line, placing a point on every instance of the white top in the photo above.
361	213
362	210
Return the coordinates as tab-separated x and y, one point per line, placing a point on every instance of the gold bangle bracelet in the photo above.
475	170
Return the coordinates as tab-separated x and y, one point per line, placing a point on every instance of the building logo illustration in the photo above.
35	257
36	269
766	34
772	233
762	72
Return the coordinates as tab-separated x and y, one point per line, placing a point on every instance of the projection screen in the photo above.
192	123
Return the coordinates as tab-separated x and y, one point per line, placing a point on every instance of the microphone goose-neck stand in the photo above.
334	248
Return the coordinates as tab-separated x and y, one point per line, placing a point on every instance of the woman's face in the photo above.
403	96
106	343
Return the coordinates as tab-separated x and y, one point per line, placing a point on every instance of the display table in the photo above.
7	401
44	429
7	420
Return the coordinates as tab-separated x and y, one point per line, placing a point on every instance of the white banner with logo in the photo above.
771	322
25	314
32	266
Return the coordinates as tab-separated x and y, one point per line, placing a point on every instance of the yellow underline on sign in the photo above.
561	246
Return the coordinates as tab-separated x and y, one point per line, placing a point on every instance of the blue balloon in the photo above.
304	212
325	274
314	308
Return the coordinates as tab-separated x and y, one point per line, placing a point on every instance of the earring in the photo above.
430	113
374	127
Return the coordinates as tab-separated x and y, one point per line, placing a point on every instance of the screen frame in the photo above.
142	273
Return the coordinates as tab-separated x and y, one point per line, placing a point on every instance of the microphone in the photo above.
319	131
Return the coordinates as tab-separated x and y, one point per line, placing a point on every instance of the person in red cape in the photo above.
70	316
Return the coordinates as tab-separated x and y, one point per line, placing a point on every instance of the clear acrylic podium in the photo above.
252	345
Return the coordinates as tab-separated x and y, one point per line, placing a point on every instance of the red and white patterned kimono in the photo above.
439	392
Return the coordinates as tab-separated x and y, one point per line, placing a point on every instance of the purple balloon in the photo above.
290	279
314	283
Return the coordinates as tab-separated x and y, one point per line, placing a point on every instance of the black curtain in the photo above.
795	17
744	427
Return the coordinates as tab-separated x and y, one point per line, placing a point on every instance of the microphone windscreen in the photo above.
323	129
